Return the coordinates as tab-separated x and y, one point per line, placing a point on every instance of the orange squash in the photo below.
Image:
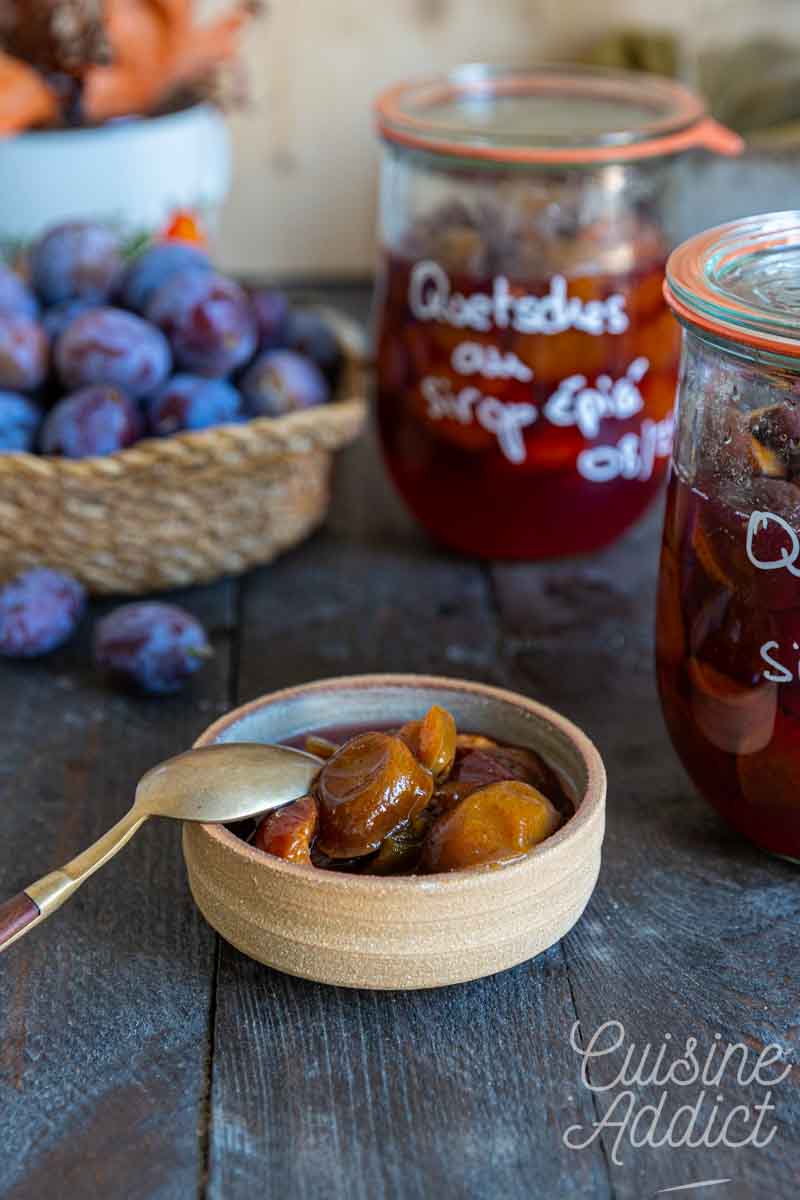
152	48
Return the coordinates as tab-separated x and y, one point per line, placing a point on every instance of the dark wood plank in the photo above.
690	931
103	1073
324	1092
104	1009
458	1092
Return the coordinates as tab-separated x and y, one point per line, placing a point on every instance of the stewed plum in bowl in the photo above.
453	830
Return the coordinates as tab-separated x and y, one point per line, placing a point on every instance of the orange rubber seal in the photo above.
734	334
406	115
698	289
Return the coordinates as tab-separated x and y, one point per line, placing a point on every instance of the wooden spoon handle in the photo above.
15	915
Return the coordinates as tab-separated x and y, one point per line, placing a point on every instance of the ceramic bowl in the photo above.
418	931
134	175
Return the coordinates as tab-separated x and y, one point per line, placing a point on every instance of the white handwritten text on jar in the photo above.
784	552
431	298
505	421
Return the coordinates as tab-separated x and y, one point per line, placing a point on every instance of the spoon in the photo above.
221	783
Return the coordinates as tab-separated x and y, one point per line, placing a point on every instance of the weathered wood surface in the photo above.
104	1009
139	1058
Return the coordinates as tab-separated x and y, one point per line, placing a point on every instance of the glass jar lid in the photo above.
742	281
569	115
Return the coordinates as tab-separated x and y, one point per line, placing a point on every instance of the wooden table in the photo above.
140	1057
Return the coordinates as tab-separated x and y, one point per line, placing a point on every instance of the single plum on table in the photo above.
154	646
15	296
24	353
189	402
153	266
92	421
39	611
20	418
280	382
77	260
109	345
272	311
309	334
208	320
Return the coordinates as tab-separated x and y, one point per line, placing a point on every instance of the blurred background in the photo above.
305	159
298	79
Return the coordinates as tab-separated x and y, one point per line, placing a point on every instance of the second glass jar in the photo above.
728	630
526	359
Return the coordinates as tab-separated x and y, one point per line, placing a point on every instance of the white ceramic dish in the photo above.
132	174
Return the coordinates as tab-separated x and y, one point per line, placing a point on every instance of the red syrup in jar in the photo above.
525	418
728	653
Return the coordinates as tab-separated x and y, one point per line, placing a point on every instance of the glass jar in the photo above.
526	359
728	629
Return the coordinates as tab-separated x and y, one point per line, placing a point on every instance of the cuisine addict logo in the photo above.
687	1107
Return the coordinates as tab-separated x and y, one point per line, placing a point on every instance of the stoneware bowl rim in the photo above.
462	881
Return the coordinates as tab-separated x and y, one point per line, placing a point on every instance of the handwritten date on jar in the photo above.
422	799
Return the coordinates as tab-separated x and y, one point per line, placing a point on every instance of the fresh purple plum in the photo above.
15	296
77	260
56	319
272	311
39	610
109	345
19	421
24	353
152	645
280	381
93	421
193	402
153	266
309	334
208	320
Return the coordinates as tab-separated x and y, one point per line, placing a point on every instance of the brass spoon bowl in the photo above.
212	784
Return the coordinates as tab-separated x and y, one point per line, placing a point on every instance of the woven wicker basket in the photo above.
186	509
